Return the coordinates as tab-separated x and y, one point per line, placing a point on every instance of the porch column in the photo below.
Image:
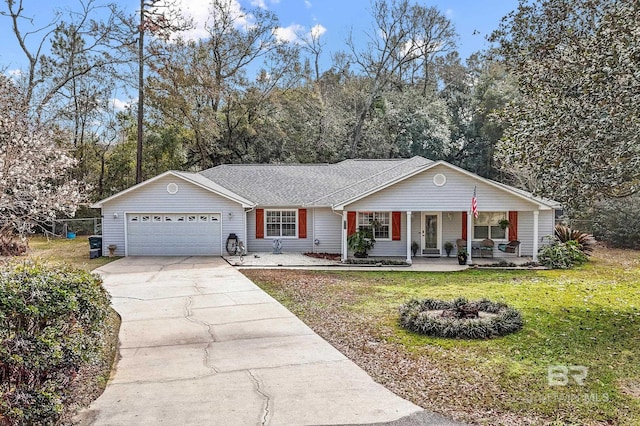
344	236
469	237
535	235
409	261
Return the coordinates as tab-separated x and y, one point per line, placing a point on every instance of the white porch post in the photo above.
535	235
469	237
344	236
409	261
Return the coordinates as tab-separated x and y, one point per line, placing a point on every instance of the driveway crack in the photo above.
266	405
188	315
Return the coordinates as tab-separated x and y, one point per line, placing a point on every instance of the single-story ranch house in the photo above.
314	207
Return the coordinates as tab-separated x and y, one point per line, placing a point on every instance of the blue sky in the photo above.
473	19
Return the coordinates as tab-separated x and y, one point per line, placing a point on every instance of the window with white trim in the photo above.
487	225
379	222
281	223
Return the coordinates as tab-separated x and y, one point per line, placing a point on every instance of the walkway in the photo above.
300	261
200	344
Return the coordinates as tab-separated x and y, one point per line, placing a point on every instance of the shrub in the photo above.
585	241
50	324
11	246
617	222
415	315
562	255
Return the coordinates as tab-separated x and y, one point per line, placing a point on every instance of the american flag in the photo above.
474	204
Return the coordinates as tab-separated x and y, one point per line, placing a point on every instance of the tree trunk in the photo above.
140	94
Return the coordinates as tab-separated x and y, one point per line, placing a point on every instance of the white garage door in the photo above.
172	234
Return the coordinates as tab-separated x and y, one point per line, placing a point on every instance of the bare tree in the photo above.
98	42
403	35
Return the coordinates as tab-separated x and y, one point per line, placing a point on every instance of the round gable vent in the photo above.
172	188
439	179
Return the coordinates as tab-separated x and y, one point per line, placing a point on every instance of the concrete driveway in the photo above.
200	344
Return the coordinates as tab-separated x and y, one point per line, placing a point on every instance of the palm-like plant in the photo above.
585	241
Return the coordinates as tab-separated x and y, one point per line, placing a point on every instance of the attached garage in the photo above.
173	214
174	234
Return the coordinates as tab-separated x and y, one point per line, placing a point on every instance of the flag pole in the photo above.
473	211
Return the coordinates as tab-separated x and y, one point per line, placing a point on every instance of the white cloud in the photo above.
296	33
317	30
118	104
14	73
200	12
308	4
449	13
259	3
289	34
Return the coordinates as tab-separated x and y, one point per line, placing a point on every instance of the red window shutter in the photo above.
513	226
351	223
396	225
464	225
302	223
259	223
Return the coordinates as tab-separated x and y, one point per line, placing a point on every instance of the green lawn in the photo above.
588	317
74	252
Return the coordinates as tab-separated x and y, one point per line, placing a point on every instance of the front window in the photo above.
487	225
379	222
281	223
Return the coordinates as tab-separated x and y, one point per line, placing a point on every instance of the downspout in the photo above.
313	231
246	236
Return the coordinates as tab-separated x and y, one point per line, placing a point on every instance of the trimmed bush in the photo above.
50	324
449	319
562	255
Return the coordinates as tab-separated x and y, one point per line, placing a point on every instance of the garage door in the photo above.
172	234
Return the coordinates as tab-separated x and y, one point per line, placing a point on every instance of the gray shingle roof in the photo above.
309	184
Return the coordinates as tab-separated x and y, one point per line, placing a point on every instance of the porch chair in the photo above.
486	248
510	247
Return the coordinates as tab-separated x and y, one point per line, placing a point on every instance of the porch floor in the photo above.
300	261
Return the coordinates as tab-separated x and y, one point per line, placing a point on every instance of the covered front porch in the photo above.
430	234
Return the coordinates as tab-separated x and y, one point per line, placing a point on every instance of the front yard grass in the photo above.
74	252
588	317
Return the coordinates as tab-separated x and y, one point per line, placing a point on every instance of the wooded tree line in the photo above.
551	108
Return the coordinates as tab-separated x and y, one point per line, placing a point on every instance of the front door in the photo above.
431	231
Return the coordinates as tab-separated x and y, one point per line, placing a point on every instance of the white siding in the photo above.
525	230
327	228
393	248
451	230
418	193
154	198
289	244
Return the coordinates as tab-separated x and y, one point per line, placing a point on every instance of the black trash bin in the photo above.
95	246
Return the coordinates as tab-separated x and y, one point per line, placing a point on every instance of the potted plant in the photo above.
361	241
448	246
462	256
414	247
504	223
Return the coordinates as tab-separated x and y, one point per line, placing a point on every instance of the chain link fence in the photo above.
68	228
